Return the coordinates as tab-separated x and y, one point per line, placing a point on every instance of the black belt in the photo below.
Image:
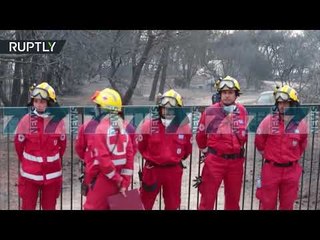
152	164
276	164
225	156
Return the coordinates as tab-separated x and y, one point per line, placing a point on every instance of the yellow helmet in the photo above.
229	83
108	99
171	97
286	93
217	83
44	91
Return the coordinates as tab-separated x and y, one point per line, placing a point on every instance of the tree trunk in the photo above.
188	76
164	68
3	97
16	85
26	74
165	60
137	69
155	81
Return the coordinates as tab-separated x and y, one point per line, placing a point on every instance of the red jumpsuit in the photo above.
108	153
281	148
40	143
163	152
223	136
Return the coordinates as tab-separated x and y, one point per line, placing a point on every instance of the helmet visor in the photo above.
226	83
40	93
282	96
165	100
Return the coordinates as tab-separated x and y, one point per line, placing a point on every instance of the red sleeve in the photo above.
127	170
62	139
20	138
304	136
143	137
303	143
201	136
262	134
188	144
80	142
134	138
241	128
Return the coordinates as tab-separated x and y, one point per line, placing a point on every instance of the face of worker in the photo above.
228	97
167	111
282	105
40	105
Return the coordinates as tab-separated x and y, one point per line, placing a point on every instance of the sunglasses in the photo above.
165	100
282	96
226	83
40	93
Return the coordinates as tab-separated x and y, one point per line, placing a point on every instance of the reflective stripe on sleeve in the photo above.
118	162
110	175
126	171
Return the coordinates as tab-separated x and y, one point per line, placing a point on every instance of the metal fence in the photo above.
71	198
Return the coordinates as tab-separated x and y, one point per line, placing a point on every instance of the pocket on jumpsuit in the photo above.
149	181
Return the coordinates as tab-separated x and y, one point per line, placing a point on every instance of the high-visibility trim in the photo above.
110	175
96	162
31	176
126	171
54	175
32	157
53	158
40	177
120	161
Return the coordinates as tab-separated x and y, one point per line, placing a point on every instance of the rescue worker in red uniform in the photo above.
281	139
221	137
107	150
165	141
40	143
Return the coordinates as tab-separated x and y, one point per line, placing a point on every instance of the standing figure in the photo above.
281	138
165	141
107	150
40	143
221	137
